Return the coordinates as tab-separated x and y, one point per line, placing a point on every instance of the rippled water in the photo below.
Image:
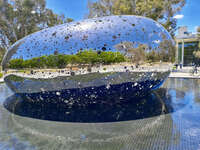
166	119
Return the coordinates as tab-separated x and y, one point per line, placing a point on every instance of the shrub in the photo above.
60	61
1	75
16	64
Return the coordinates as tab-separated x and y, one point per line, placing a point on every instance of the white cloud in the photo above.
178	16
156	41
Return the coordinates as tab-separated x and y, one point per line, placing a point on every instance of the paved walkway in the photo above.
1	80
184	75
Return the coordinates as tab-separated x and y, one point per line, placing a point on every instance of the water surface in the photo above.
166	119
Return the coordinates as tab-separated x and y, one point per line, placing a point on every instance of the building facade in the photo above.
186	44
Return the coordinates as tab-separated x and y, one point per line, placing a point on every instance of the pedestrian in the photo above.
195	69
181	65
176	66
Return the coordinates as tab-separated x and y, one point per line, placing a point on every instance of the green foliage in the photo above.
198	33
61	61
139	53
1	75
15	78
159	10
16	63
111	57
152	56
167	51
196	55
89	57
2	52
20	18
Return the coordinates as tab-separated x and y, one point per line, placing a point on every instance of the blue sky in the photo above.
76	9
191	15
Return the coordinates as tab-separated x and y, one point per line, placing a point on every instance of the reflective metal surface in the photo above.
97	34
94	53
90	87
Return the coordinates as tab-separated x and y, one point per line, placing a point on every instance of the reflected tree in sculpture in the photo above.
107	49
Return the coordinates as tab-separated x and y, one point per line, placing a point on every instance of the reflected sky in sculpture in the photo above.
133	36
99	33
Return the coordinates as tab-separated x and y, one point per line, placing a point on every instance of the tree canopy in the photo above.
138	52
162	11
19	18
198	32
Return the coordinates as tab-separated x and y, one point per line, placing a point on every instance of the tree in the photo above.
167	51
198	34
152	56
135	51
124	47
138	54
196	55
19	18
159	10
2	52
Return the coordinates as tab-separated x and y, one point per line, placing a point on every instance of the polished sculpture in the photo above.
91	58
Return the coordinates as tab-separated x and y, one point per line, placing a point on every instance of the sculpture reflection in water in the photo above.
108	54
147	116
103	109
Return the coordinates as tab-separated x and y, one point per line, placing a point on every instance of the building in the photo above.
186	44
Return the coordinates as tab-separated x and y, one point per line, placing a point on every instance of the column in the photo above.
182	59
177	53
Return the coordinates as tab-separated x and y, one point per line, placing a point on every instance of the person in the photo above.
137	65
176	66
195	69
181	66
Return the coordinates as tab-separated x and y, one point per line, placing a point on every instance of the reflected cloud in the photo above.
178	16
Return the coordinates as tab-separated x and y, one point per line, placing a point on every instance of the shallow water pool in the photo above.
168	119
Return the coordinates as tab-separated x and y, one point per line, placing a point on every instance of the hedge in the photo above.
61	61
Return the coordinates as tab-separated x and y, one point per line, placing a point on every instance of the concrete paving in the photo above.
185	72
1	80
184	75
